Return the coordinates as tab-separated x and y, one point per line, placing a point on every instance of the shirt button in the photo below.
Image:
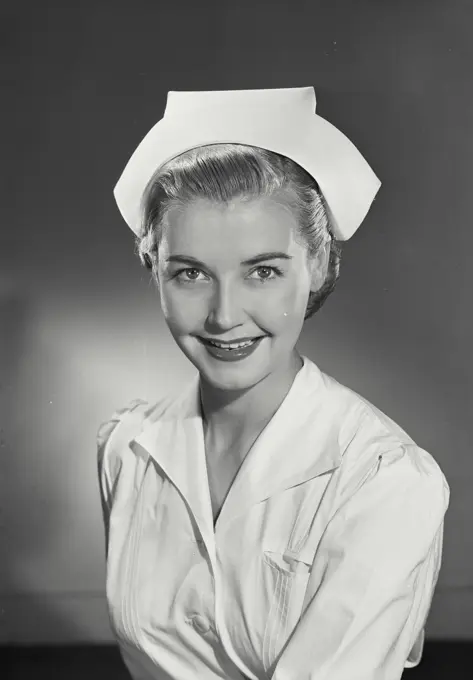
201	624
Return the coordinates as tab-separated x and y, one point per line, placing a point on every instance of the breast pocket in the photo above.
285	581
298	519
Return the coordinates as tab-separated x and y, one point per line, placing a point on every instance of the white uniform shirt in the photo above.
323	560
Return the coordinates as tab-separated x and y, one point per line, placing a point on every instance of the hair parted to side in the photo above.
223	172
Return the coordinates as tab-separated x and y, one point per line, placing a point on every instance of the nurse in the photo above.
268	522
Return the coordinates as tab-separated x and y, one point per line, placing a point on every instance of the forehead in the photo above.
204	228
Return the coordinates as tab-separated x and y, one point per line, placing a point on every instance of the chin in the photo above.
236	383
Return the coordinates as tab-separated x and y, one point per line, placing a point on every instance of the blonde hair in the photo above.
222	172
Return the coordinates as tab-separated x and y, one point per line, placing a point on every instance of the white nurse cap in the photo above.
279	120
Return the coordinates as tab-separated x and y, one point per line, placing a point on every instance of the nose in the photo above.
225	306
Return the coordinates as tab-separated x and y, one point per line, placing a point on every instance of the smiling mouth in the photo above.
232	346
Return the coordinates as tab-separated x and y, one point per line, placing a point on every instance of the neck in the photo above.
231	417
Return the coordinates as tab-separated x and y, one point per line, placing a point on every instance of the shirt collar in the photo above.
300	442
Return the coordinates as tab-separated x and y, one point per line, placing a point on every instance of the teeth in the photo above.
233	346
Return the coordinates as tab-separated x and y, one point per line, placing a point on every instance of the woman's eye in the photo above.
268	274
274	270
186	271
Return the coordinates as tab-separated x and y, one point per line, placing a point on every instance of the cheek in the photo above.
174	312
290	301
284	312
181	312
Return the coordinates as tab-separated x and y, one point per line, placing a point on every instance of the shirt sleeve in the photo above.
373	577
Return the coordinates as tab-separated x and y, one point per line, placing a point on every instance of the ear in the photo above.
319	267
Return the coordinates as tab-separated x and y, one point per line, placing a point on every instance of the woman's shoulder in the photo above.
357	415
133	413
115	434
369	439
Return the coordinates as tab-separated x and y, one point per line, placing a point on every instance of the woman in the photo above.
268	522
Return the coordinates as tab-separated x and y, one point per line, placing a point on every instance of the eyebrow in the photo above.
262	257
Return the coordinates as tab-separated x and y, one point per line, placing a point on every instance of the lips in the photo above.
217	343
232	354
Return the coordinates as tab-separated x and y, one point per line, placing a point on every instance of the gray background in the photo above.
81	328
